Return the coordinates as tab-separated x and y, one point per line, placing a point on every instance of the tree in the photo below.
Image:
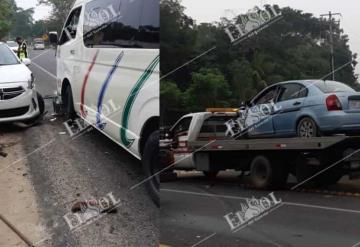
60	11
23	22
297	47
7	10
208	88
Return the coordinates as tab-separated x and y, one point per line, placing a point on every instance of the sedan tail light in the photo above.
333	103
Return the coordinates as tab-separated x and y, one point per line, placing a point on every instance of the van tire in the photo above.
150	163
69	104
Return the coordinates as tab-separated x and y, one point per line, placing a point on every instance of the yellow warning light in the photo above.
214	110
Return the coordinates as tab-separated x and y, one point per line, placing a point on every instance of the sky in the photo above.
41	12
209	11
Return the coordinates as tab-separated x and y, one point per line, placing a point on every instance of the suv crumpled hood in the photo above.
14	73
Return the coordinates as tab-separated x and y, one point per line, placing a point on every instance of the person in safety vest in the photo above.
22	51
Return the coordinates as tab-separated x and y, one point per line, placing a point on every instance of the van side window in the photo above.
122	23
71	25
149	30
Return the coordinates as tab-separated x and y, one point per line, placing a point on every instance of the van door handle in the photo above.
72	52
297	103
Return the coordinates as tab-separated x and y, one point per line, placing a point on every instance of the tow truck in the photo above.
198	142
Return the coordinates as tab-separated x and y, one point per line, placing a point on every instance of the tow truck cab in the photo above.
201	126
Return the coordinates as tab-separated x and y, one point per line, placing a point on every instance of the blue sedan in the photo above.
306	108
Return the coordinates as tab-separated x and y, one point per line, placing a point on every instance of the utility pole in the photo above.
330	15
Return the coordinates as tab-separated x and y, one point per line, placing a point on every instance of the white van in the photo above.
108	73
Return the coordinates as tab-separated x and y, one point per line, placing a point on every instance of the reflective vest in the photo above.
22	53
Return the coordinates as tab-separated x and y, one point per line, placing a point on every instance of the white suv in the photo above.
108	73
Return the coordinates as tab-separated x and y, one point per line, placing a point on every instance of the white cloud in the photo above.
41	11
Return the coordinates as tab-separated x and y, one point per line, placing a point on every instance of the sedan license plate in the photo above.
354	104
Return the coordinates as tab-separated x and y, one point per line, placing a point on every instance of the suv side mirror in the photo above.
26	61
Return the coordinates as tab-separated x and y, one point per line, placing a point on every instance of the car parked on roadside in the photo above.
39	44
304	108
19	101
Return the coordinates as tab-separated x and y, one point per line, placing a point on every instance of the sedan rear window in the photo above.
332	87
7	57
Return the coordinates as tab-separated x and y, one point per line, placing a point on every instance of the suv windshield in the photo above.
6	56
333	87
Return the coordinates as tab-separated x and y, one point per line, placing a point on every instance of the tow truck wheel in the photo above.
150	162
330	178
69	104
210	175
305	175
267	174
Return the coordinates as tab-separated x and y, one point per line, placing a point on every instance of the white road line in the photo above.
32	59
244	198
204	239
44	70
356	245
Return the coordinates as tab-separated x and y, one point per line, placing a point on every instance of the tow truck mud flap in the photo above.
352	157
202	161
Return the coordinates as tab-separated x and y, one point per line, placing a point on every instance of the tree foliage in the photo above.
297	47
7	11
60	11
23	23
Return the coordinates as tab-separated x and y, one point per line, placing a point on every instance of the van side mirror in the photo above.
53	38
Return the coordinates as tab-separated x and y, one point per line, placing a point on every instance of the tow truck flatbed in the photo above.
299	144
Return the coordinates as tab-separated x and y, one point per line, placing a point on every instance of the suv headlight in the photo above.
31	82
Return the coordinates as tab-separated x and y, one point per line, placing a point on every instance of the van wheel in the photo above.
150	162
307	128
267	174
69	104
211	175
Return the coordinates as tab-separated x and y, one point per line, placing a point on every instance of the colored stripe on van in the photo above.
105	85
83	88
131	99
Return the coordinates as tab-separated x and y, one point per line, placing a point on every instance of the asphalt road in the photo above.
193	210
64	170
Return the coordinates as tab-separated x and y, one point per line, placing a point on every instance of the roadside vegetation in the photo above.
297	47
15	21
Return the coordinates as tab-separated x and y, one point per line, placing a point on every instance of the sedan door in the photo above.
289	104
259	120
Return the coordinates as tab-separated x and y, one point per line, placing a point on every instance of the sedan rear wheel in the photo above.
307	128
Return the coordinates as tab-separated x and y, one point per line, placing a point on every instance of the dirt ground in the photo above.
17	197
